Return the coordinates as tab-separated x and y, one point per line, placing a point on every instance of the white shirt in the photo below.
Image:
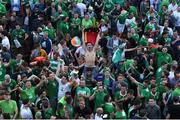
63	88
82	8
170	31
129	21
172	7
97	117
25	112
5	42
177	16
80	51
171	75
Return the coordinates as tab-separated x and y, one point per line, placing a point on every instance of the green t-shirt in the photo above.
120	115
51	32
106	83
161	89
87	23
108	108
145	92
62	5
63	27
75	23
118	96
62	101
70	110
8	107
163	57
176	92
3	10
10	87
150	27
13	66
52	88
29	93
156	96
99	99
18	34
48	113
2	72
84	91
159	75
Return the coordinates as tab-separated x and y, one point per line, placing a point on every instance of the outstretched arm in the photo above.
132	79
131	49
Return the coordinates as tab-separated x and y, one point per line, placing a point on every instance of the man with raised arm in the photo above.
90	53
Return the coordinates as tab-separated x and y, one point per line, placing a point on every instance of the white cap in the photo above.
150	40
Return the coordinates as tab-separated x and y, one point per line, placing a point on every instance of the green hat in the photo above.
106	69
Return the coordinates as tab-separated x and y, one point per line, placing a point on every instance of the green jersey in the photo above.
18	34
83	91
63	27
145	92
108	108
52	88
29	94
51	32
163	57
118	95
87	23
176	92
150	27
75	24
8	107
3	10
120	115
48	113
99	100
156	96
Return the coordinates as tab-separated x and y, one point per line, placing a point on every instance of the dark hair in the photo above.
153	86
123	84
142	112
25	101
137	101
27	81
3	33
175	99
6	116
68	100
106	98
120	105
